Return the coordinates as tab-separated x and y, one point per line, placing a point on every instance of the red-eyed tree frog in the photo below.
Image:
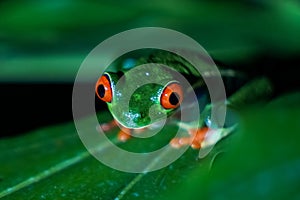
162	99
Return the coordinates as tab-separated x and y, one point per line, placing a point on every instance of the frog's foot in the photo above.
124	134
197	136
202	137
107	126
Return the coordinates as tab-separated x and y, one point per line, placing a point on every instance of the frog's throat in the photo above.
129	127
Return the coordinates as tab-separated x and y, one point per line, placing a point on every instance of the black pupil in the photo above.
174	99
101	90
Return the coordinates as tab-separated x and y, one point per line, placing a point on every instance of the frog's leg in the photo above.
202	137
197	136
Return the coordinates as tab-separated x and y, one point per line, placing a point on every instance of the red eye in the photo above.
103	89
172	96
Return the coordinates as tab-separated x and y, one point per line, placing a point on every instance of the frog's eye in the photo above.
171	96
103	89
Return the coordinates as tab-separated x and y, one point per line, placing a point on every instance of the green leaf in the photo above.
52	163
260	160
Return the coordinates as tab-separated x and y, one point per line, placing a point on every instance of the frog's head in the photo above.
137	106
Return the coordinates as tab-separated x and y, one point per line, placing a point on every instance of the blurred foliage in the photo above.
46	41
262	161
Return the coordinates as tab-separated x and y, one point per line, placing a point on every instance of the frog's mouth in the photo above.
133	121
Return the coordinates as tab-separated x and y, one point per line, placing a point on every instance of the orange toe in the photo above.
199	138
123	136
175	143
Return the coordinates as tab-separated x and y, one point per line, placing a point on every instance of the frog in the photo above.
158	100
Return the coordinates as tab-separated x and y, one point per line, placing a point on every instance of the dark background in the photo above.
27	106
